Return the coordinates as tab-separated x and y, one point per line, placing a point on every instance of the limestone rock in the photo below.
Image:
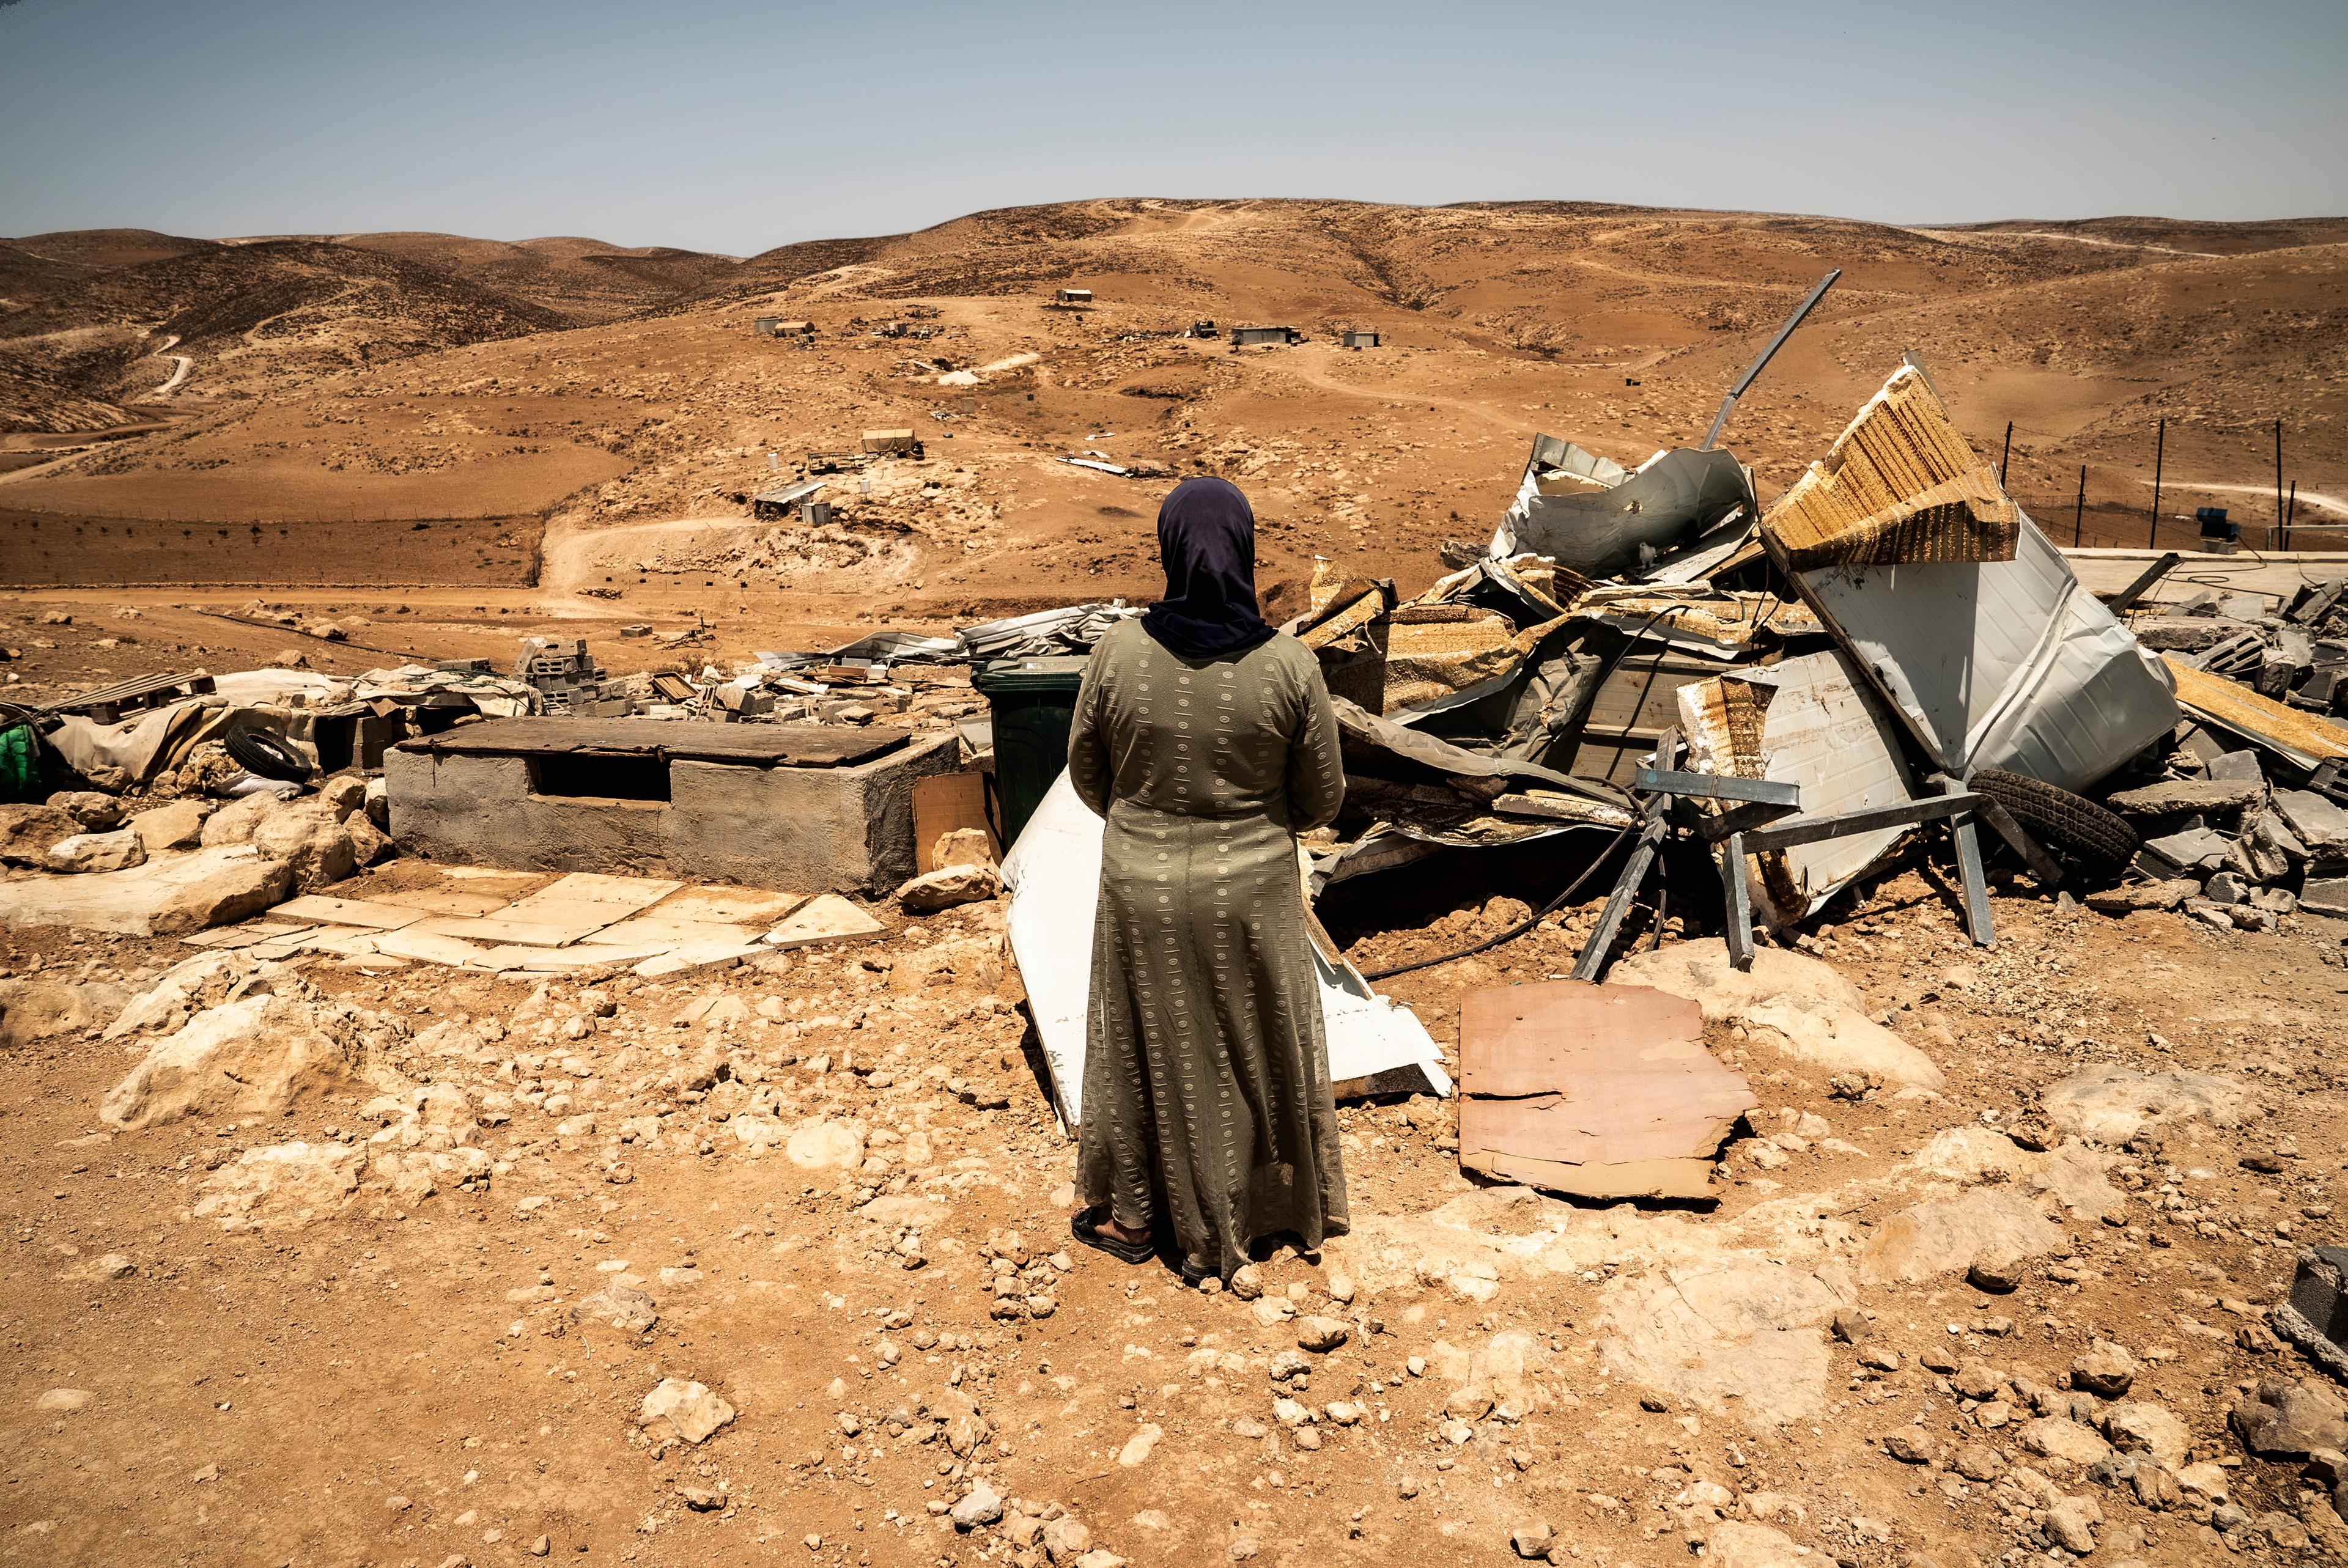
283	1186
309	839
624	1306
2111	1104
1739	1334
2057	1437
1933	1239
189	987
169	895
1819	1016
1733	1544
26	831
949	886
2068	1522
689	1409
2106	1369
1320	1334
85	852
824	1144
178	826
1137	1447
94	810
1912	1445
235	821
962	846
2282	1421
1531	1541
1066	1539
2187	797
2138	1428
980	1505
368	843
256	1056
35	1009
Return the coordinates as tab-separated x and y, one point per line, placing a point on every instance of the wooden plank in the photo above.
322	910
827	918
1600	1090
757	745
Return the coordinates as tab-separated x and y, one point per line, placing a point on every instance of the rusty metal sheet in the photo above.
1604	1092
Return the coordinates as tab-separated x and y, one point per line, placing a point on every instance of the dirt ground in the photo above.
409	1384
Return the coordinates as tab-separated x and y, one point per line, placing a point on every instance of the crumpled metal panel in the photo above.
1995	663
1610	525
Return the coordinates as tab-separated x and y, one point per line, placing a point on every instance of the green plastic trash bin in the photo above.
1035	703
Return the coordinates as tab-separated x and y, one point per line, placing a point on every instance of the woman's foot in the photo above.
1106	1225
1097	1228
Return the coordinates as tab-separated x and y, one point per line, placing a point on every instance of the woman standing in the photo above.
1207	741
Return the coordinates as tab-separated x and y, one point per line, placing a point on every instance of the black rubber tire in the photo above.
260	753
2100	841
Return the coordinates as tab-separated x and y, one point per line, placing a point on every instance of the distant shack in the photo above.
893	442
1074	297
782	326
1243	336
1362	338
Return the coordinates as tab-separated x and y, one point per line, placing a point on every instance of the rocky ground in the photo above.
315	1265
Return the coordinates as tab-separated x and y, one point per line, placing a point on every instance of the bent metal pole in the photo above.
1728	403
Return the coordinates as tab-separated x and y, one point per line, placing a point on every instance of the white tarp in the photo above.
2004	664
1051	876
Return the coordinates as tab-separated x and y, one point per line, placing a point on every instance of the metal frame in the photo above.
1766	820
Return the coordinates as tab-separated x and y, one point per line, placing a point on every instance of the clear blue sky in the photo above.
719	125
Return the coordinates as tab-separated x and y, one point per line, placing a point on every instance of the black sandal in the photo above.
1086	1228
1195	1275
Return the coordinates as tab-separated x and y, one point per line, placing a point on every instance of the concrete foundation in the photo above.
800	808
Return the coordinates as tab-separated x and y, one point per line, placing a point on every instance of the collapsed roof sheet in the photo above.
1991	662
1593	516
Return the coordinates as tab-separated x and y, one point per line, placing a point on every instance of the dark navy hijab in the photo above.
1206	537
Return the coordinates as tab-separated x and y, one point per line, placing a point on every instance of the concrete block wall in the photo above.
797	829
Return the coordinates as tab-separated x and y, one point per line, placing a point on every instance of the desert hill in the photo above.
641	438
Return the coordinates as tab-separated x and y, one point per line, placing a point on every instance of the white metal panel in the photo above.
1052	877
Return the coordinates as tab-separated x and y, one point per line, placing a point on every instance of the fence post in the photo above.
2006	459
2283	524
2291	513
2079	507
2159	450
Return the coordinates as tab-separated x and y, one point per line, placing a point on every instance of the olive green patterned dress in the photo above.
1206	1106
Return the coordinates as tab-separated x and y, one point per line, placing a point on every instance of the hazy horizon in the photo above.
727	127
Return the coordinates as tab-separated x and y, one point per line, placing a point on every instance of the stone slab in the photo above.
172	893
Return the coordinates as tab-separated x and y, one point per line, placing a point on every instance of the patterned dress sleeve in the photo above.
1090	770
1316	767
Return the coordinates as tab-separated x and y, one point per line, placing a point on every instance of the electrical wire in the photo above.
1522	927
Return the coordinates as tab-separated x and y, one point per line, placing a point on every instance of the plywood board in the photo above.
317	907
716	906
826	918
1601	1091
943	803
